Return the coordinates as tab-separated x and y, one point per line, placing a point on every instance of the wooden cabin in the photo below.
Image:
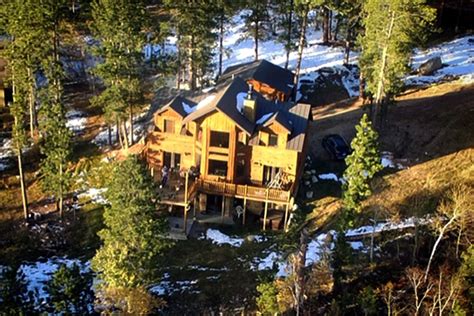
271	81
232	150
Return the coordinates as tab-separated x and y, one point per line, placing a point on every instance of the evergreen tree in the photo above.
119	26
287	26
362	164
56	145
24	24
225	10
70	291
392	29
15	299
196	24
256	22
134	235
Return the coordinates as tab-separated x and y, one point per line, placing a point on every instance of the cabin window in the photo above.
219	139
273	140
217	167
169	126
171	160
270	175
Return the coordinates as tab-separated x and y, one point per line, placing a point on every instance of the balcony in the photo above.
243	191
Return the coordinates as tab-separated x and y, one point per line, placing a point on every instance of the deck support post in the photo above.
245	206
285	225
194	207
265	211
223	206
186	206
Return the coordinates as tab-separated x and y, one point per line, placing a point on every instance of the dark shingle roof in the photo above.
294	117
177	105
262	71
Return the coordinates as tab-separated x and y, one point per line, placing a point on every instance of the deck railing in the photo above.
244	191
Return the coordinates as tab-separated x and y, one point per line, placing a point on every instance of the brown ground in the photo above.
422	125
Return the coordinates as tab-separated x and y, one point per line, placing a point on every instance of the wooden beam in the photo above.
223	205
285	223
245	205
265	211
186	206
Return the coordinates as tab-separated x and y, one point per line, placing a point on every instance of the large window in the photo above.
218	167
171	160
219	139
270	174
273	140
169	126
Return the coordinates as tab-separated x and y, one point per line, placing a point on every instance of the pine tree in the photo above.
392	29
15	299
287	26
119	26
256	23
134	235
362	164
56	145
225	10
70	291
24	23
196	24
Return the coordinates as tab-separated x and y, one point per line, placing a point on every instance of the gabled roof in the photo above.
280	118
180	105
263	71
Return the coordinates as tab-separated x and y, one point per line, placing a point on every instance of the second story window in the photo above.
219	139
273	140
169	126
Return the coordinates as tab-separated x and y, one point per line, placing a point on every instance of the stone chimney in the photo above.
250	105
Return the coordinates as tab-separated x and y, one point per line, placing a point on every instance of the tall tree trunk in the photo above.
192	65
325	25
131	124
221	43
256	39
380	95
299	271
31	101
118	134
301	45
24	197
347	47
61	197
336	28
124	135
290	27
178	75
330	25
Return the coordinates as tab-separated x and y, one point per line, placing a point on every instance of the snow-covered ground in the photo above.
76	121
324	242
37	274
94	195
457	57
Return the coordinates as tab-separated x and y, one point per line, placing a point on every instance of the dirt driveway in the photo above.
423	124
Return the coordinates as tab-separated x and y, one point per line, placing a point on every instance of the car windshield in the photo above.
339	142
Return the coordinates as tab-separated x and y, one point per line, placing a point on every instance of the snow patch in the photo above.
94	195
219	238
239	99
264	118
37	274
76	121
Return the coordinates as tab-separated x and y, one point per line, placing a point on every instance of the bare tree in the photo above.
450	213
421	288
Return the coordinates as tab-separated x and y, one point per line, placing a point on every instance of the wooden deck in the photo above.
241	191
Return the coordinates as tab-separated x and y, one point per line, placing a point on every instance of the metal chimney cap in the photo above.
249	93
